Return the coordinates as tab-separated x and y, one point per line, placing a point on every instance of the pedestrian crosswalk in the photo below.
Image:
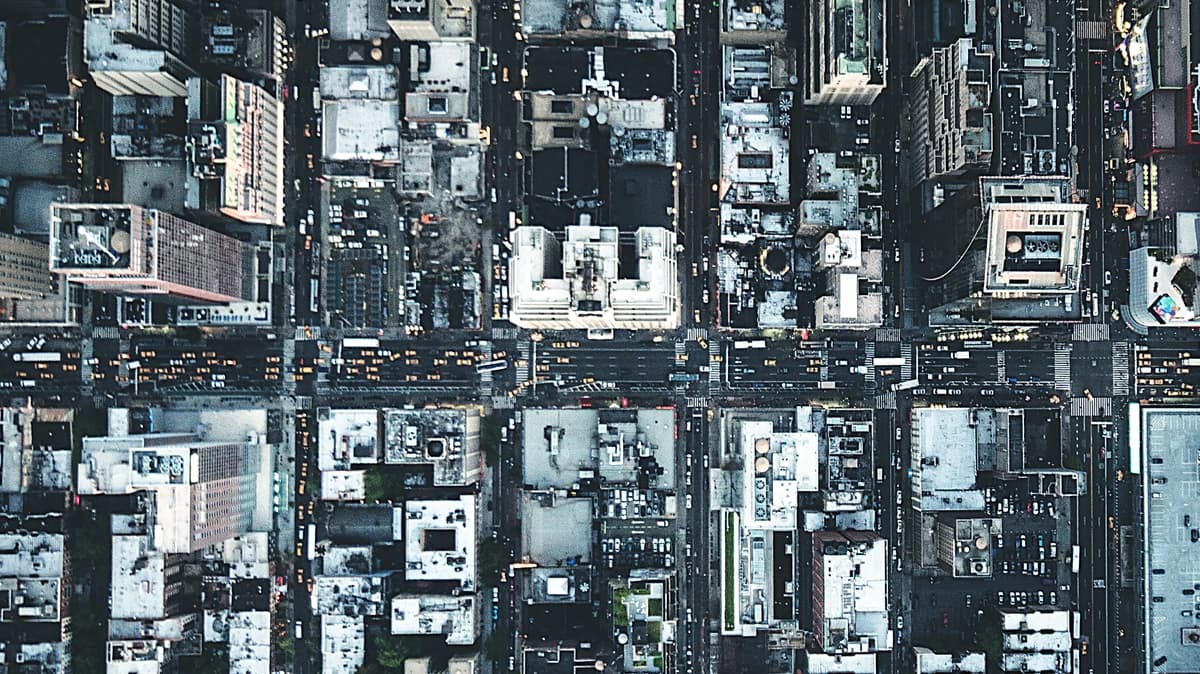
1090	332
1120	371
698	402
714	364
523	372
869	359
697	334
504	333
885	401
502	403
887	334
1062	366
1001	368
906	370
1091	407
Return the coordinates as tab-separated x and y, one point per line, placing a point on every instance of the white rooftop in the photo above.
439	540
1034	248
343	485
591	291
755	161
346	438
138	589
776	467
361	113
343	642
841	663
103	51
31	554
944	459
358	20
855	587
451	617
250	642
348	595
248	555
929	662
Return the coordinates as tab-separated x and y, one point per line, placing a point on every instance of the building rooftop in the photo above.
455	618
138	579
358	20
447	439
639	20
562	447
1162	278
343	485
776	467
850	578
831	196
361	113
1036	640
841	663
854	278
755	165
847	443
945	458
1035	248
347	438
343	642
929	662
248	555
105	50
971	540
582	283
347	560
357	595
31	599
135	656
556	529
440	540
1163	444
95	237
754	15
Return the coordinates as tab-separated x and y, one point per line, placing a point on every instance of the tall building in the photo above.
849	591
26	268
205	491
431	20
951	128
576	283
236	159
845	59
140	251
139	46
1022	265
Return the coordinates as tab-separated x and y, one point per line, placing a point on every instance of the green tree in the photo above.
390	653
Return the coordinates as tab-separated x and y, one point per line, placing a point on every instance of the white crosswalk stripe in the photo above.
1091	407
1062	366
714	369
523	372
869	359
1120	358
1090	332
